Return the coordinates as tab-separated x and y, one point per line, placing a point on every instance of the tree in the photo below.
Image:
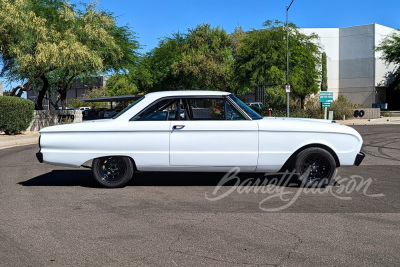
324	82
155	68
113	48
121	84
261	59
206	62
390	48
23	38
202	58
90	93
65	43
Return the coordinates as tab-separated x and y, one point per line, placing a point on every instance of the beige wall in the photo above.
45	118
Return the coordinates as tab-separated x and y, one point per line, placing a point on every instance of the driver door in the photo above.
214	134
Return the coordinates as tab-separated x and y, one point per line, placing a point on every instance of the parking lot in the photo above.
59	216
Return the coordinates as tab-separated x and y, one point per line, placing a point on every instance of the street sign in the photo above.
326	104
287	88
326	97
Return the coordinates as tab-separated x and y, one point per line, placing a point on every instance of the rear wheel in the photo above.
112	171
315	166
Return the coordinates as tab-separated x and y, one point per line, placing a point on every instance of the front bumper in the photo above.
359	158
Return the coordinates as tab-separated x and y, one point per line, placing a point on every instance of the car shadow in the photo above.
84	178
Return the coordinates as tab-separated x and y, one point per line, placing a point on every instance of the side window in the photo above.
160	111
206	108
232	113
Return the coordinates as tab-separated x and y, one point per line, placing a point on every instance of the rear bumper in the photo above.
359	158
39	156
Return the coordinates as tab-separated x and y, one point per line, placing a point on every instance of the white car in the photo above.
214	132
83	108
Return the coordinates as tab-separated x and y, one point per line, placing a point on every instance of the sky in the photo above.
154	19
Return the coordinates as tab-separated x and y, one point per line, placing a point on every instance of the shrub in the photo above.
313	108
386	113
15	114
275	97
75	103
295	112
299	113
342	106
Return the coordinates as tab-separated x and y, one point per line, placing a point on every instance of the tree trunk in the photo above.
42	92
302	98
21	88
15	90
63	98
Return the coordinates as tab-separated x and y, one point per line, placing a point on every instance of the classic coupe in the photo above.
200	131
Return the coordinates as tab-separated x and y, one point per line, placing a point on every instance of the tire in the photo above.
315	167
112	171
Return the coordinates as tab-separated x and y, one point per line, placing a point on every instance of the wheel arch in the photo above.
87	163
290	161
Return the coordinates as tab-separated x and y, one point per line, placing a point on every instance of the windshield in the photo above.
128	107
253	115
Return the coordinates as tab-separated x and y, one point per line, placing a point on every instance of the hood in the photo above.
305	125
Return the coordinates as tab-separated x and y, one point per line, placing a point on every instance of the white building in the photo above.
354	67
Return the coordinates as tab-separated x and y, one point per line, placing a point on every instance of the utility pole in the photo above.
287	59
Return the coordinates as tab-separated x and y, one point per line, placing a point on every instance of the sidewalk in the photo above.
384	120
25	138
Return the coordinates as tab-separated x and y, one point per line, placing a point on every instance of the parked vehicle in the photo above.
111	113
83	108
256	104
214	133
66	108
100	113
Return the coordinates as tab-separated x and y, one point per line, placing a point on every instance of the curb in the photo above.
380	121
15	145
18	140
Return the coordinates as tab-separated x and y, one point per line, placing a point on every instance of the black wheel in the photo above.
315	167
112	171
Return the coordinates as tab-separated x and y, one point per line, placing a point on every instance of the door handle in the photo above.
178	127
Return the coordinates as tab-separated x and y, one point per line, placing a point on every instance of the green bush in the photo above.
386	113
295	112
15	114
342	106
275	97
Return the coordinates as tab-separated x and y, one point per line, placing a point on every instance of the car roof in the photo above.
151	97
187	93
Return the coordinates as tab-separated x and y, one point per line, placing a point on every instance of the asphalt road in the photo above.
54	216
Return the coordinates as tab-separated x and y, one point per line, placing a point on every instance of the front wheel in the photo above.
113	171
315	167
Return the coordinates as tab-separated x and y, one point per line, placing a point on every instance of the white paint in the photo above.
254	145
